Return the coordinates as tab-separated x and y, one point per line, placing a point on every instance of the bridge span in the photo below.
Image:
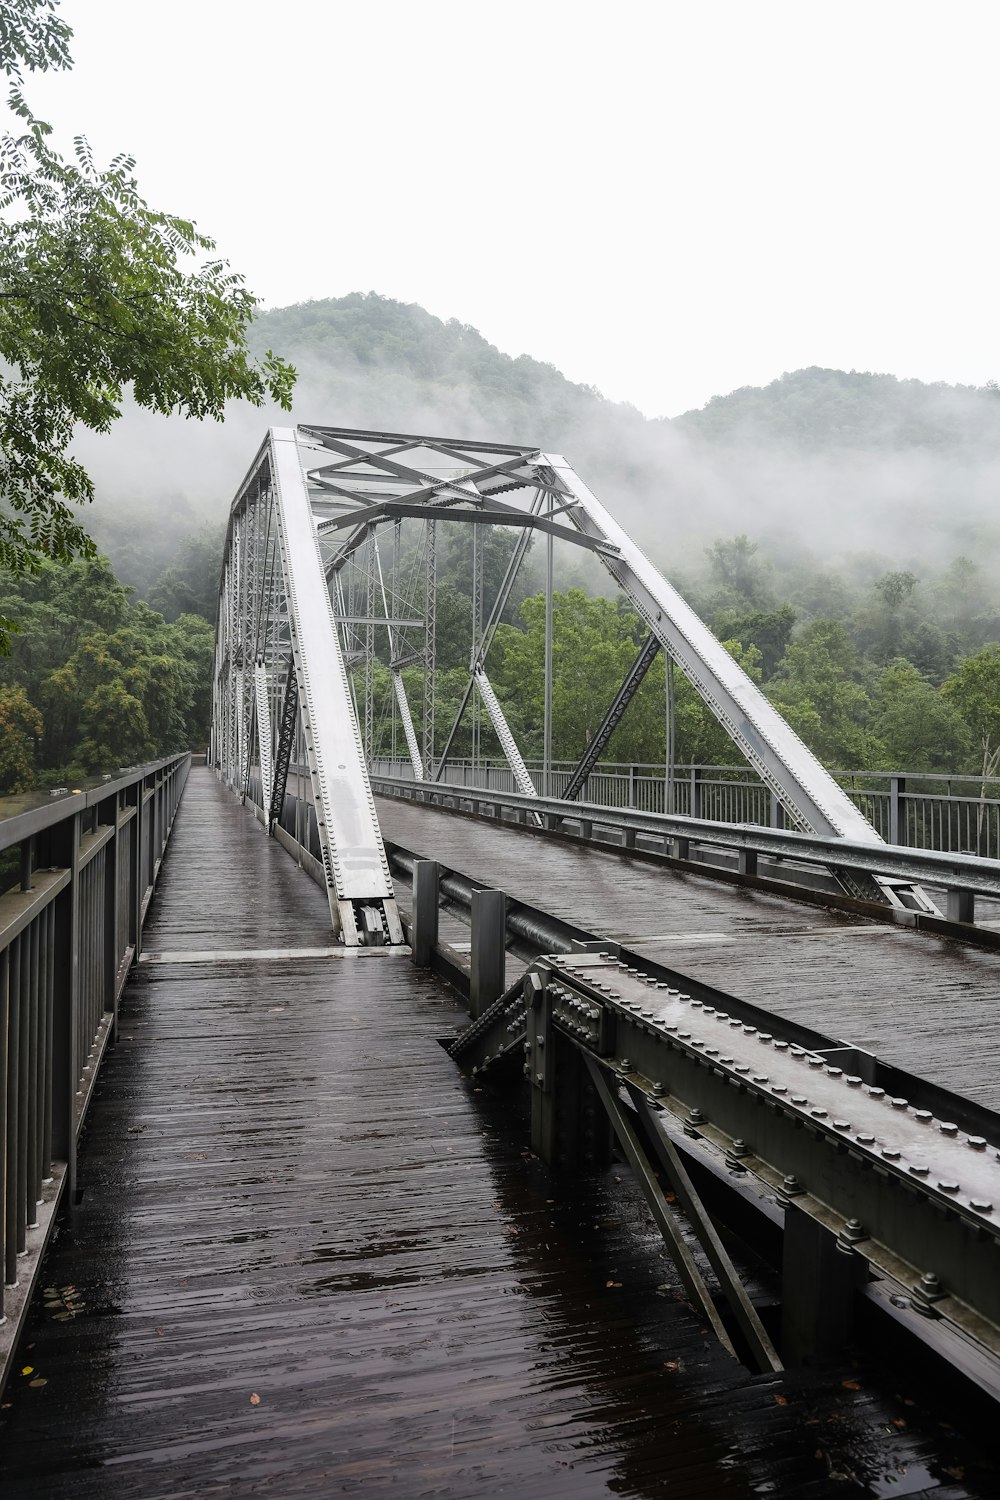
535	1144
307	1254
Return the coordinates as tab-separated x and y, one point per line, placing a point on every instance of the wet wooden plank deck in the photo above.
289	1192
927	1004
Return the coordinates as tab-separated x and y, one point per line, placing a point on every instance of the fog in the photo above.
842	504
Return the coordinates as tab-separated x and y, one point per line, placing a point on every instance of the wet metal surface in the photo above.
311	1258
927	1004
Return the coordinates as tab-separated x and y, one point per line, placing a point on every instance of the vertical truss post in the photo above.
547	706
394	595
430	647
478	548
400	699
370	647
486	638
670	726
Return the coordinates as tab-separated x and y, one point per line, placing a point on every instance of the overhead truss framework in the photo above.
372	478
318	618
282	694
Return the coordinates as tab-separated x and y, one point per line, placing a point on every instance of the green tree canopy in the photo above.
816	691
974	689
916	727
20	726
95	296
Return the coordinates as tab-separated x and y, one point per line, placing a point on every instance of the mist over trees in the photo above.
836	529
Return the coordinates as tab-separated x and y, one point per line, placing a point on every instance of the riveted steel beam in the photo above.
912	1194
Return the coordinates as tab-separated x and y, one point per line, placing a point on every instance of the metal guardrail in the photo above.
918	809
70	928
962	876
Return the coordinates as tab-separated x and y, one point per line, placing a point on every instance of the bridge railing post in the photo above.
488	958
426	892
897	810
961	906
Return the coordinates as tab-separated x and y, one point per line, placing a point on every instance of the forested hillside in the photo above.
838	528
95	680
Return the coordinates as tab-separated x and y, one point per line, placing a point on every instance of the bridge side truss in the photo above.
373	480
282	698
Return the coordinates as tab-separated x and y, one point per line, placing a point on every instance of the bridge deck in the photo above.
927	1004
309	1257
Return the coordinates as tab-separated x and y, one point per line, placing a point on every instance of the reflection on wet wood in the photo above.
312	1259
926	1004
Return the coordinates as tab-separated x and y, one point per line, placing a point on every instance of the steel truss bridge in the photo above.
330	581
312	601
786	1032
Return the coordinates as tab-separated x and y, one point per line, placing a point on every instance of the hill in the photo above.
846	471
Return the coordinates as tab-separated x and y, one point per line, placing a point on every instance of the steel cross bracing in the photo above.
276	622
613	717
362	479
346	484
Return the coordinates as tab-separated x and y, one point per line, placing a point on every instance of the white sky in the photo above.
665	200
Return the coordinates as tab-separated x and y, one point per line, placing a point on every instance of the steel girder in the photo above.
275	618
366	478
771	746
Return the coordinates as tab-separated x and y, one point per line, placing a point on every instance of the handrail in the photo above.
70	929
19	822
953	872
684	768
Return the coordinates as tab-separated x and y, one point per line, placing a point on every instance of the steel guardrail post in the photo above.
488	956
426	896
897	810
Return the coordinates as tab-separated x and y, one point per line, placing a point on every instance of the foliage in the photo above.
594	642
916	727
817	408
768	631
974	689
189	585
20	726
113	682
736	567
854	651
94	297
816	691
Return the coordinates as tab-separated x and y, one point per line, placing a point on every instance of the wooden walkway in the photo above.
311	1258
930	1005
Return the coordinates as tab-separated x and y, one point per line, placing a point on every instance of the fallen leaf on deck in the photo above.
781	1400
851	1385
38	1382
255	1399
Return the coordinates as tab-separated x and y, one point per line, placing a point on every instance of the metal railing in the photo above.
961	876
80	873
922	810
